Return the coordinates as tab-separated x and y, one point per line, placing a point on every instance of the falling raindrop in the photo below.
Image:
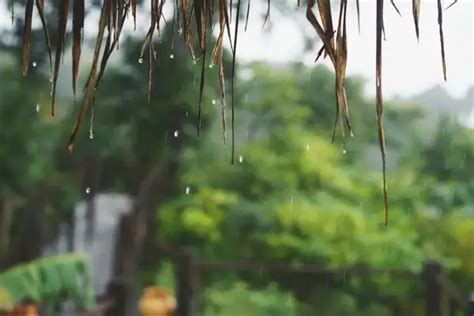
171	56
241	159
88	190
211	65
140	60
188	190
34	64
37	107
176	134
307	147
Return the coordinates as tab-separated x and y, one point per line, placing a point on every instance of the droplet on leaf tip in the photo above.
88	190
211	65
34	64
171	56
241	159
176	134
140	60
188	190
37	107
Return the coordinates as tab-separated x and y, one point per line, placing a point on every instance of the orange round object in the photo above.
156	301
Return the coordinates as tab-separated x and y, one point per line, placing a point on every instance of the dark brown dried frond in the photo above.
441	38
395	7
416	16
234	53
77	26
91	80
40	8
25	60
379	103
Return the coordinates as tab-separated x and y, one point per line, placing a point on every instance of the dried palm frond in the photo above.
379	101
201	14
27	37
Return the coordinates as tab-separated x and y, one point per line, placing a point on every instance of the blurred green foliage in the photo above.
48	281
292	195
296	197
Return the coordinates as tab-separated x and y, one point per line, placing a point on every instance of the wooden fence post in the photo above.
433	289
186	277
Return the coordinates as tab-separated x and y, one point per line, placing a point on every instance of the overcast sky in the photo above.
408	66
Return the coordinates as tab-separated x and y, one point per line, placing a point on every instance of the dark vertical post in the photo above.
453	307
470	305
186	282
117	293
432	289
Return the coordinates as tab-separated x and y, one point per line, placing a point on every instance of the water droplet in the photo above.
180	31
140	60
187	113
51	80
91	134
34	64
88	190
176	134
211	65
307	147
241	159
188	190
194	61
37	107
171	56
214	101
352	134
344	151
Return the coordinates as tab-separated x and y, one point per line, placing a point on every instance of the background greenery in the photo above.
293	196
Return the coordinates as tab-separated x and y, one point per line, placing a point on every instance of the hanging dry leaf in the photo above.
25	60
441	38
77	26
416	16
379	102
